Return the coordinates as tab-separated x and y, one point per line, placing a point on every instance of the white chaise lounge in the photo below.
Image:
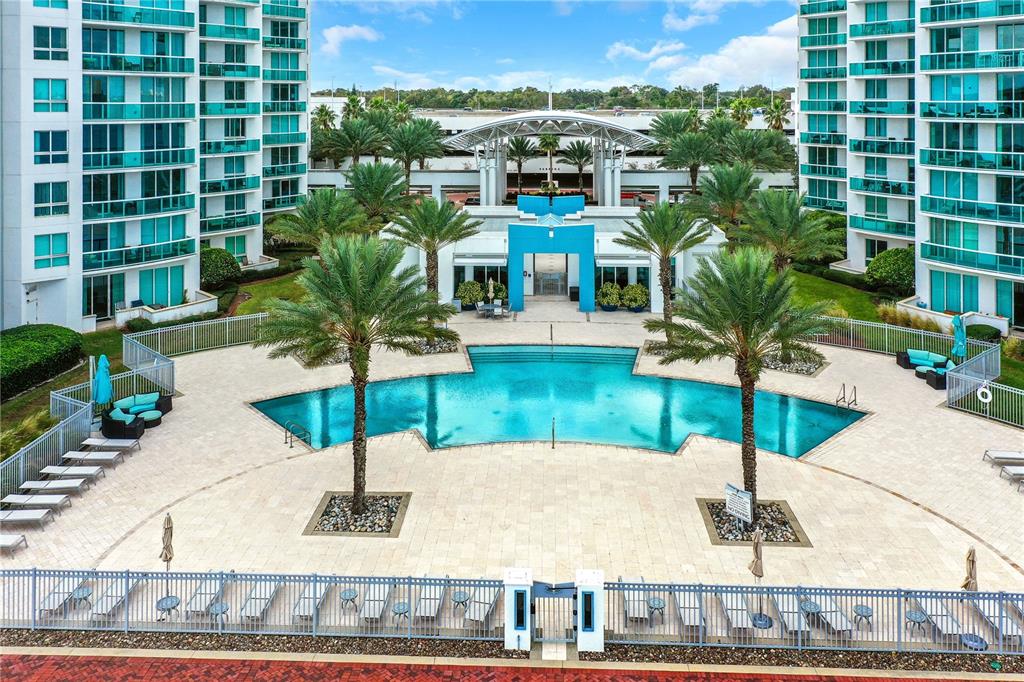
1000	620
10	542
635	600
691	613
54	502
57	598
202	599
15	516
307	608
105	607
794	621
258	601
100	457
482	605
737	616
834	617
375	601
429	600
91	473
56	485
122	444
945	623
1003	457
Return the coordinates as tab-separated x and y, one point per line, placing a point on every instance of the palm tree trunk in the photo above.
408	177
748	448
665	279
519	176
358	440
432	271
551	169
581	179
694	172
780	262
355	159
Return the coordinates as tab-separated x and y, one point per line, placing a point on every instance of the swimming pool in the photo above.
591	392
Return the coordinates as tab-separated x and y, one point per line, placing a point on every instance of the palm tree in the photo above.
741	111
579	154
520	150
359	137
719	129
323	118
777	114
725	195
669	125
327	213
663	231
433	137
780	224
406	144
356	300
384	122
403	113
738	309
431	225
353	107
378	188
765	149
548	144
691	151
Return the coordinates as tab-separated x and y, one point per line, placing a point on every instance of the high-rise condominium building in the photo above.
136	132
912	123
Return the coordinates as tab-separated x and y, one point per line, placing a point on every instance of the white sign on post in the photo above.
739	503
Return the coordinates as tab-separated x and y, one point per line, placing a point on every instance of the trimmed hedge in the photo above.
893	269
984	332
35	353
217	267
141	324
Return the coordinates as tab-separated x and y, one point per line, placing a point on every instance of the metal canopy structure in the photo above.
563	123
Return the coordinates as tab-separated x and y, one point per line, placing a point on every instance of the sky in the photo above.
499	45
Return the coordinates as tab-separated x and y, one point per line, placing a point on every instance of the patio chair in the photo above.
794	621
91	473
13	517
56	485
122	444
375	601
1003	457
106	605
945	624
307	608
208	592
834	617
52	502
58	597
482	605
1013	474
9	542
100	457
737	615
634	601
691	613
1000	620
430	598
258	601
122	430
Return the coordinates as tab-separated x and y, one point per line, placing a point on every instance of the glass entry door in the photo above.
1018	305
102	294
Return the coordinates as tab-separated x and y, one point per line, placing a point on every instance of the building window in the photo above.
876	50
953	185
876	127
160	230
876	166
235	246
50	43
51	250
873	247
876	11
284	60
50	95
162	286
52	4
102	237
51	146
955	88
1009	37
876	88
234	166
103	40
234	204
51	198
102	88
234	16
876	207
163	44
234	127
234	53
953	292
234	91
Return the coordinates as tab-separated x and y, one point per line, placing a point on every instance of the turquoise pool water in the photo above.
592	393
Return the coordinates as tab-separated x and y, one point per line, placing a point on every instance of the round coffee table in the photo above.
400	610
656	605
348	596
862	613
973	642
810	607
460	598
167	605
218	610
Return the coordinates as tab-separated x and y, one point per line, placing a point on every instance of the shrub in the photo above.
635	296
141	324
984	332
24	432
901	317
34	353
285	268
470	292
1013	348
500	291
217	267
610	294
893	269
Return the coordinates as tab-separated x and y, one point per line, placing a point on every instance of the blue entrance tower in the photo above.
578	239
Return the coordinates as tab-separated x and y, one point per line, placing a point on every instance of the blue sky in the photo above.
492	44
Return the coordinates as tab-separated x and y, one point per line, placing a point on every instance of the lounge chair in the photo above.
258	601
1016	603
834	617
56	485
58	597
308	605
429	600
9	542
794	621
691	613
208	592
1000	620
375	601
53	502
120	425
122	444
482	605
88	472
15	516
945	624
1012	473
1003	457
100	457
737	616
635	600
107	604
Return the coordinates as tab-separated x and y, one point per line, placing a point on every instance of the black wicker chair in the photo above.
163	404
115	428
936	380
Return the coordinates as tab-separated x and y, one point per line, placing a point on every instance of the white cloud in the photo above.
507	80
410	10
662	47
673	22
407	80
505	60
334	36
565	7
668	61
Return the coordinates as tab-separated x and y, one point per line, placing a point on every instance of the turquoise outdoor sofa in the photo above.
129	417
913	358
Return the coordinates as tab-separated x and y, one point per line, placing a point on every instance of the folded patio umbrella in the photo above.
102	389
959	338
167	553
970	582
756	566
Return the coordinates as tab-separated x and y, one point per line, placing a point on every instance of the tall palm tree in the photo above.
405	145
431	225
323	118
359	137
579	154
433	138
668	125
765	149
356	300
403	113
738	309
779	223
378	188
384	122
691	151
548	144
663	231
719	129
520	149
777	114
725	194
741	111
353	107
327	213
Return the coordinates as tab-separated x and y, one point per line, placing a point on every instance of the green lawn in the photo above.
263	292
857	303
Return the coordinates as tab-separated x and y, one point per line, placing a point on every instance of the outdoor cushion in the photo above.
136	404
125	403
147	398
142	407
118	414
151	415
949	365
923	357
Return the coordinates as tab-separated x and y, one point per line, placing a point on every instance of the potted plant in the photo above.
470	293
635	297
500	291
609	297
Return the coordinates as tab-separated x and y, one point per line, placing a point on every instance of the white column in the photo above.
518	621
590	610
617	181
608	191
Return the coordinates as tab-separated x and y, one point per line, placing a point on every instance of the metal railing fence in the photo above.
48	449
879	337
197	336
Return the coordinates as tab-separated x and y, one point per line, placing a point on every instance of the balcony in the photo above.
1005	264
137	63
284	169
222	32
239	146
1001	59
145	111
823	138
823	7
822	105
896	188
886	147
823	40
882	107
275	10
229	222
229	70
277	139
825	204
283	43
961	11
131	208
229	108
283	75
123	14
899	67
954	158
823	72
283	107
229	184
822	171
143	158
278	203
137	255
973	110
973	210
895	228
882	28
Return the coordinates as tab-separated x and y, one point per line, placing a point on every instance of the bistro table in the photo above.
862	613
460	598
810	607
916	619
218	610
166	605
82	594
488	308
348	596
400	610
656	605
973	642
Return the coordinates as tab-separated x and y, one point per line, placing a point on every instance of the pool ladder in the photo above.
293	430
843	399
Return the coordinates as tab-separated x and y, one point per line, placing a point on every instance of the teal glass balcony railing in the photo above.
973	210
896	228
125	14
973	110
283	107
283	75
229	222
882	107
825	203
821	171
274	10
899	67
823	138
290	201
228	146
823	40
143	158
822	105
137	255
882	28
1001	59
978	260
145	111
822	7
823	72
275	139
896	188
229	32
284	169
137	63
229	108
229	184
229	70
130	208
283	43
956	158
890	147
961	11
